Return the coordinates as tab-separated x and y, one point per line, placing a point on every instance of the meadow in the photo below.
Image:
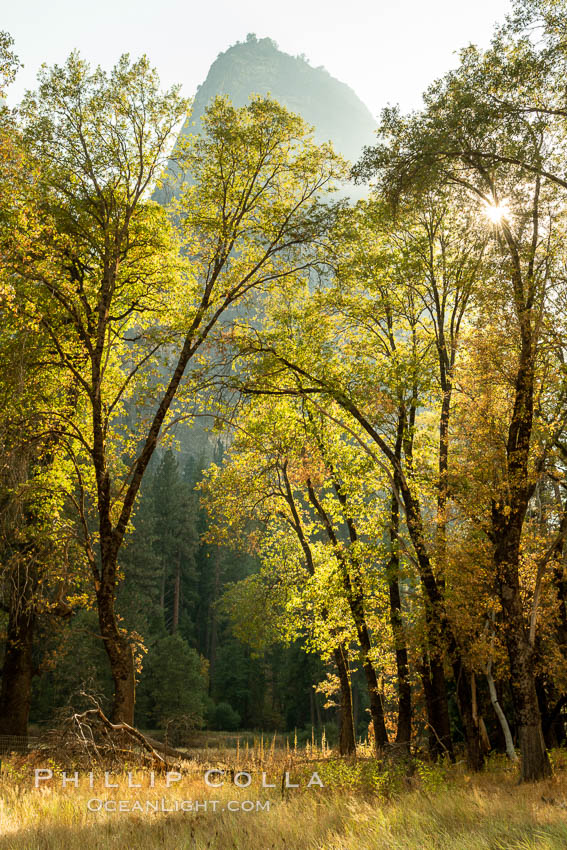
363	804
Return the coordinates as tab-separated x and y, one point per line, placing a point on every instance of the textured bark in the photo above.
120	656
535	763
443	473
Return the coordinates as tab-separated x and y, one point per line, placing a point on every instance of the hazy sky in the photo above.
387	50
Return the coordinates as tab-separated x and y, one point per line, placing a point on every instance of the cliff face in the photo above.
256	66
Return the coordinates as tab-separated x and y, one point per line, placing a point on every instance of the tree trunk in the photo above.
464	683
504	725
508	516
403	733
425	675
473	744
347	744
443	482
120	655
376	710
506	534
17	671
535	762
435	690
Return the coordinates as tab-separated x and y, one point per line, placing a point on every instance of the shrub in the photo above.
225	717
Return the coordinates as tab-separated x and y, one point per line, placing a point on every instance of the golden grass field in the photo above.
361	806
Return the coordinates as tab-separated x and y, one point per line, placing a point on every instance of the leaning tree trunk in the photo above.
17	670
347	744
504	725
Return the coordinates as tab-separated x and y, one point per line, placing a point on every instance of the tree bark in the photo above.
120	656
347	740
535	762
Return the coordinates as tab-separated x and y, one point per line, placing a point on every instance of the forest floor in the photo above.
362	805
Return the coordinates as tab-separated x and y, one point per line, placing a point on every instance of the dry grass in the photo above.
360	807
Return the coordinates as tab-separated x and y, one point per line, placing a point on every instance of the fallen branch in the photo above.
150	745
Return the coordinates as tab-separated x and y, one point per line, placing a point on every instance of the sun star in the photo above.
497	212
